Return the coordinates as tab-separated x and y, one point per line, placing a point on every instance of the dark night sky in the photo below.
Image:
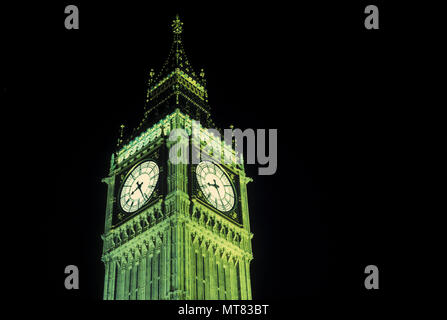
312	71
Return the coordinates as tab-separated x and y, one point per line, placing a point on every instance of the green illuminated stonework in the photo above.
163	237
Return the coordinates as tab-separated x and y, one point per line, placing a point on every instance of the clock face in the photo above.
138	186
215	186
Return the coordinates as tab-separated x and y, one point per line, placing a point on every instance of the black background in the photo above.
332	89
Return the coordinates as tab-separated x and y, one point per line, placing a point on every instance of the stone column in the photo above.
127	282
133	282
187	273
112	275
228	287
221	279
178	261
163	267
155	275
244	202
167	260
109	205
123	282
192	274
247	272
206	274
106	280
120	284
199	273
142	279
233	277
212	274
243	281
148	281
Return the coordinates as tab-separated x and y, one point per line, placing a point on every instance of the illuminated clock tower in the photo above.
176	231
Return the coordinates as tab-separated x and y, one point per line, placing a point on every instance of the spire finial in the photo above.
177	25
120	139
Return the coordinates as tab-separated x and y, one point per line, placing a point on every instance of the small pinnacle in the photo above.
177	25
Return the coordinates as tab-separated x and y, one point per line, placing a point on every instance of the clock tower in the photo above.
176	230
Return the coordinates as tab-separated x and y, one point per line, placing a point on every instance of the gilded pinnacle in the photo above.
177	25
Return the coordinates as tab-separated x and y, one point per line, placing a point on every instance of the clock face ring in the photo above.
138	186
215	186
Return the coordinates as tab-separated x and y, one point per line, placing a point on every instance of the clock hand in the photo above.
214	185
138	187
142	194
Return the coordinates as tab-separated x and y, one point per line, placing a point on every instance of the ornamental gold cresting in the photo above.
176	231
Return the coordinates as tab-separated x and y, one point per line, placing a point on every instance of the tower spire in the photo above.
177	28
176	84
177	58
